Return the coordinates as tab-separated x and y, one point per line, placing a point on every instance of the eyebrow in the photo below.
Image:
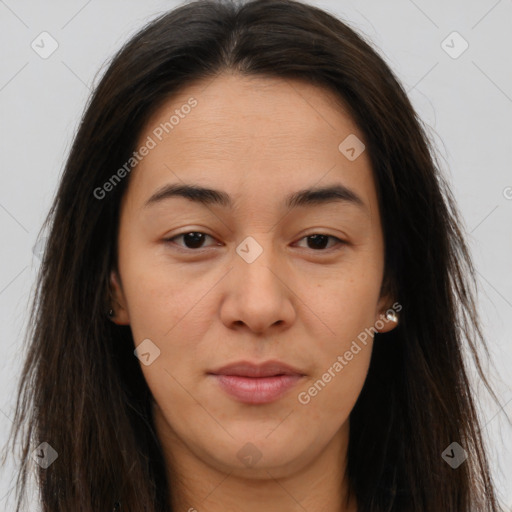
306	197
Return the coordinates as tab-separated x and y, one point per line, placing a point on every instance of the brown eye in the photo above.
318	242
192	240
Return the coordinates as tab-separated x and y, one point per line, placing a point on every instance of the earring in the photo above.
110	313
392	316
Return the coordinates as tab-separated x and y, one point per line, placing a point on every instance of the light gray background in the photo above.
466	101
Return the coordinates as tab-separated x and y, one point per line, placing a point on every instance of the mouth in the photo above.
252	383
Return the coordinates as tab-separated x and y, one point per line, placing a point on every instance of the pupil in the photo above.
319	241
194	241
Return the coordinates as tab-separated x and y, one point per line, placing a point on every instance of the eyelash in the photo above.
340	242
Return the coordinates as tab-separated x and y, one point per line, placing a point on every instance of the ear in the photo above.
387	306
118	301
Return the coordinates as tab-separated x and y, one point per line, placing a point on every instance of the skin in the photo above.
258	139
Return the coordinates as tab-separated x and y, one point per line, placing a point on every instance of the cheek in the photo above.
343	351
172	309
335	388
162	297
329	395
346	305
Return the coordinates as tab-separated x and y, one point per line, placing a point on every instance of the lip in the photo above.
254	383
249	369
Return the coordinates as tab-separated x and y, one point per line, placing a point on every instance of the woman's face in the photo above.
264	278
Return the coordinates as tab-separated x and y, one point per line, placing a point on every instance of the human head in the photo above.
266	280
414	370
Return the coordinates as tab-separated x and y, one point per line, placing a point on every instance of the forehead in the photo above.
240	113
259	133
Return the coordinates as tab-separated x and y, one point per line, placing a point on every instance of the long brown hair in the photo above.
82	390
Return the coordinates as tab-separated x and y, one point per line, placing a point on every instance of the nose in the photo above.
257	294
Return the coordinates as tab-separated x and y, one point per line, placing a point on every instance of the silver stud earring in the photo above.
110	313
392	316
